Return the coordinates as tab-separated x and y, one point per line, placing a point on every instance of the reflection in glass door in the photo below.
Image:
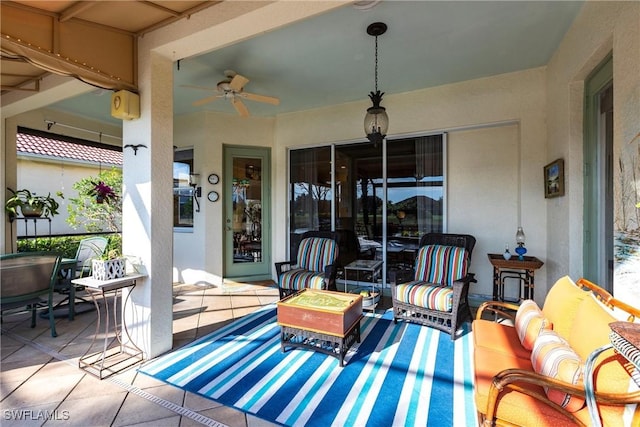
378	214
246	208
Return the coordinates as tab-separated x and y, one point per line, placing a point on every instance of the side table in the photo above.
513	268
112	360
374	268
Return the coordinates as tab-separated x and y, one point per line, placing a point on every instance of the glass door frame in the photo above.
257	270
384	187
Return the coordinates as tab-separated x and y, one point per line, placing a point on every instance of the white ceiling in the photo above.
329	59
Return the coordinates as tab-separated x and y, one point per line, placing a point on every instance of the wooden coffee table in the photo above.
323	321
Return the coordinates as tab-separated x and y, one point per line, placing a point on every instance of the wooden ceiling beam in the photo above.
75	9
35	81
186	14
159	7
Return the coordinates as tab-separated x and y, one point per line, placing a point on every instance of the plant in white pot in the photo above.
111	266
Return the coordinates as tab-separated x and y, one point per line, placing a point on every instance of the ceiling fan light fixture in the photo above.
376	121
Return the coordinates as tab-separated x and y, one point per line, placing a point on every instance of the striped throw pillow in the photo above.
441	264
556	359
530	322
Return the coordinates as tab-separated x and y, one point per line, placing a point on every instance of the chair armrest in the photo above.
397	277
330	270
497	307
280	267
513	380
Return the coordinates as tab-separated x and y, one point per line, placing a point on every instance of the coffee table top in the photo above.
323	300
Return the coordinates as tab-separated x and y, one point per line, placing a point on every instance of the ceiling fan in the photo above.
232	88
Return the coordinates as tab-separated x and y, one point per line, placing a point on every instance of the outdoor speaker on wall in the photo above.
125	105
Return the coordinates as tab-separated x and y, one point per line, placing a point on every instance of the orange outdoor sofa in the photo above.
530	370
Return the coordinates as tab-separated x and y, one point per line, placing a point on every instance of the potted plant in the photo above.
30	205
110	266
102	192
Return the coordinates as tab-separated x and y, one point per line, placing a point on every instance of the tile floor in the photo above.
40	383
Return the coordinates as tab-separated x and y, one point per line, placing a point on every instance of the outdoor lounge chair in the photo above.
315	265
435	292
24	278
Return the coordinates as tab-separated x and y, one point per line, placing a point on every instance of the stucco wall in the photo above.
599	29
208	133
504	113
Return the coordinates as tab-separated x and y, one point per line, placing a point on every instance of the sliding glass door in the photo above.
380	201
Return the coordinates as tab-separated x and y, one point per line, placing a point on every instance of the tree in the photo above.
85	211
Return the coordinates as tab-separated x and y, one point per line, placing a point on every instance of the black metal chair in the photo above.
315	265
435	292
24	278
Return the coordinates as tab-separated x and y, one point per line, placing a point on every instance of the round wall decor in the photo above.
213	196
214	178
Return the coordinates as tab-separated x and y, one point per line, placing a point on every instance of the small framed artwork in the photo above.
554	179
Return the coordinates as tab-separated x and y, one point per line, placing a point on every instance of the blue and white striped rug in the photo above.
402	374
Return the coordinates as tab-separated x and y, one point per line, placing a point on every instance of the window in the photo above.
182	191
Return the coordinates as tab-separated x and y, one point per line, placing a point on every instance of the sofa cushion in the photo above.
427	295
498	337
590	329
555	359
529	323
315	253
301	279
488	363
561	304
441	264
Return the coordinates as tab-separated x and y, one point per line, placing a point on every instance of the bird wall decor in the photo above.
135	147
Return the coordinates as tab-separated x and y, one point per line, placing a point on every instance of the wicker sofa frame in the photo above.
442	320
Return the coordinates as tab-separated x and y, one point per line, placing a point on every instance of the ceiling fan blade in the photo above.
238	82
240	107
211	89
260	98
205	100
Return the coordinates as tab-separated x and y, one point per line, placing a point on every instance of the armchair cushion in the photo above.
299	279
426	295
315	253
441	264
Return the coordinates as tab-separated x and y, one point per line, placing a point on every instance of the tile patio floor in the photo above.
40	379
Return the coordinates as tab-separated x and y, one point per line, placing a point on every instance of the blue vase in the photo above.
521	250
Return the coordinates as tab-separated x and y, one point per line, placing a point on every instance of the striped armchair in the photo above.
436	292
314	267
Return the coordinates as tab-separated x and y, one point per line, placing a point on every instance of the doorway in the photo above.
247	206
598	177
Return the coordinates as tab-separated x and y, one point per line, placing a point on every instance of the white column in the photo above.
147	224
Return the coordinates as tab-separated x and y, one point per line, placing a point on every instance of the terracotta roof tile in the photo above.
33	144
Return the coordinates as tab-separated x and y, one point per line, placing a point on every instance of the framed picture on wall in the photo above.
554	179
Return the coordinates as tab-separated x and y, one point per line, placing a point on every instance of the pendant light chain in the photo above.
376	121
376	72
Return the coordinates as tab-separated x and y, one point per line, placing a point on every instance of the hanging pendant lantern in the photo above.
376	121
